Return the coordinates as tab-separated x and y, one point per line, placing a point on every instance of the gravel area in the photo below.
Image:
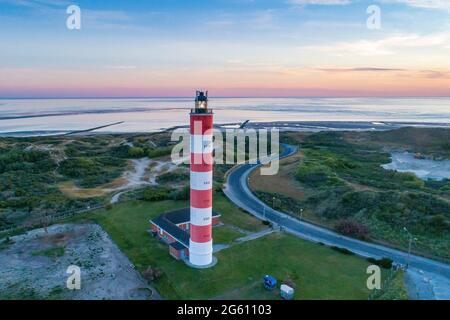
34	266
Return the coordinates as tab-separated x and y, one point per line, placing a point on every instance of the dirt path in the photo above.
145	171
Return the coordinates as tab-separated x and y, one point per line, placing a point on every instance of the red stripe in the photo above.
204	123
201	162
201	234
201	198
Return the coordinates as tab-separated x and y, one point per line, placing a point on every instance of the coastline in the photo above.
305	126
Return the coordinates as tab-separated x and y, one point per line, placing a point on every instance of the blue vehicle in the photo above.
270	282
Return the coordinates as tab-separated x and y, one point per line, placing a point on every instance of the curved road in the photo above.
237	191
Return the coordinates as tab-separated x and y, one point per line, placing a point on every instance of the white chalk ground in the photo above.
106	273
423	168
145	171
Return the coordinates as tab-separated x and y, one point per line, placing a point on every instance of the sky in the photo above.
154	48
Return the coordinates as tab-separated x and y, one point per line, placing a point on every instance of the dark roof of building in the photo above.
182	215
169	227
168	222
177	246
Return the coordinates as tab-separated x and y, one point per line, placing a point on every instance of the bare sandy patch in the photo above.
35	264
284	182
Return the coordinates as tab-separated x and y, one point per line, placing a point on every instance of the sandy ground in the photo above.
106	273
144	173
423	168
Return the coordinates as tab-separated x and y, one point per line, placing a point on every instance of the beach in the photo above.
30	117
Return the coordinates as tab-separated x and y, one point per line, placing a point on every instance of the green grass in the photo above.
225	234
51	253
234	215
318	271
396	289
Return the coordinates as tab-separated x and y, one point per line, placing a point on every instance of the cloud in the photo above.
38	4
121	67
385	45
320	2
426	4
361	69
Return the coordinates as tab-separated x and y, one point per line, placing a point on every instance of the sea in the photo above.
30	117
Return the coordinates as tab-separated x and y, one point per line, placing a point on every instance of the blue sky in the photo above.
242	47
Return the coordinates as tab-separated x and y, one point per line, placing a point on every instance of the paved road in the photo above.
237	191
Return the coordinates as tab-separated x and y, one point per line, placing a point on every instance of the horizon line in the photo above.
219	97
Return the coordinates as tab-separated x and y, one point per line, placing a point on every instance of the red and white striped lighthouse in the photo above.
201	129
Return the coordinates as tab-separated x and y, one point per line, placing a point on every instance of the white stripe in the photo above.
201	216
201	143
200	259
200	247
201	180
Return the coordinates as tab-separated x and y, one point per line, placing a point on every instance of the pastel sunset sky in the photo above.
137	48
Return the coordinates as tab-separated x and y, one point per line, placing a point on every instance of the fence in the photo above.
47	220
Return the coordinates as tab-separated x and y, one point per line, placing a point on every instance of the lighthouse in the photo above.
201	177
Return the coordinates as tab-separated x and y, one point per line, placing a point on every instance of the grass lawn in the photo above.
225	234
317	271
234	216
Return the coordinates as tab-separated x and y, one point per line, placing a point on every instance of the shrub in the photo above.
152	274
136	152
342	250
182	194
312	174
439	223
385	263
352	228
155	153
172	177
155	193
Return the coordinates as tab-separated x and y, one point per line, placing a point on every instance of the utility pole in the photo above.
411	239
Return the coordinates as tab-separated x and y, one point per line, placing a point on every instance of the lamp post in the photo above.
301	213
411	239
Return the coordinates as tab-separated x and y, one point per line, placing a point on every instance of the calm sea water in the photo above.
152	114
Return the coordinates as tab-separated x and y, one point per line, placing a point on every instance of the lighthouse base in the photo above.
206	266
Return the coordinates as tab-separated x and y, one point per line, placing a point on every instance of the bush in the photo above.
136	152
342	250
182	194
152	274
385	263
352	228
172	177
439	223
155	153
313	175
155	193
